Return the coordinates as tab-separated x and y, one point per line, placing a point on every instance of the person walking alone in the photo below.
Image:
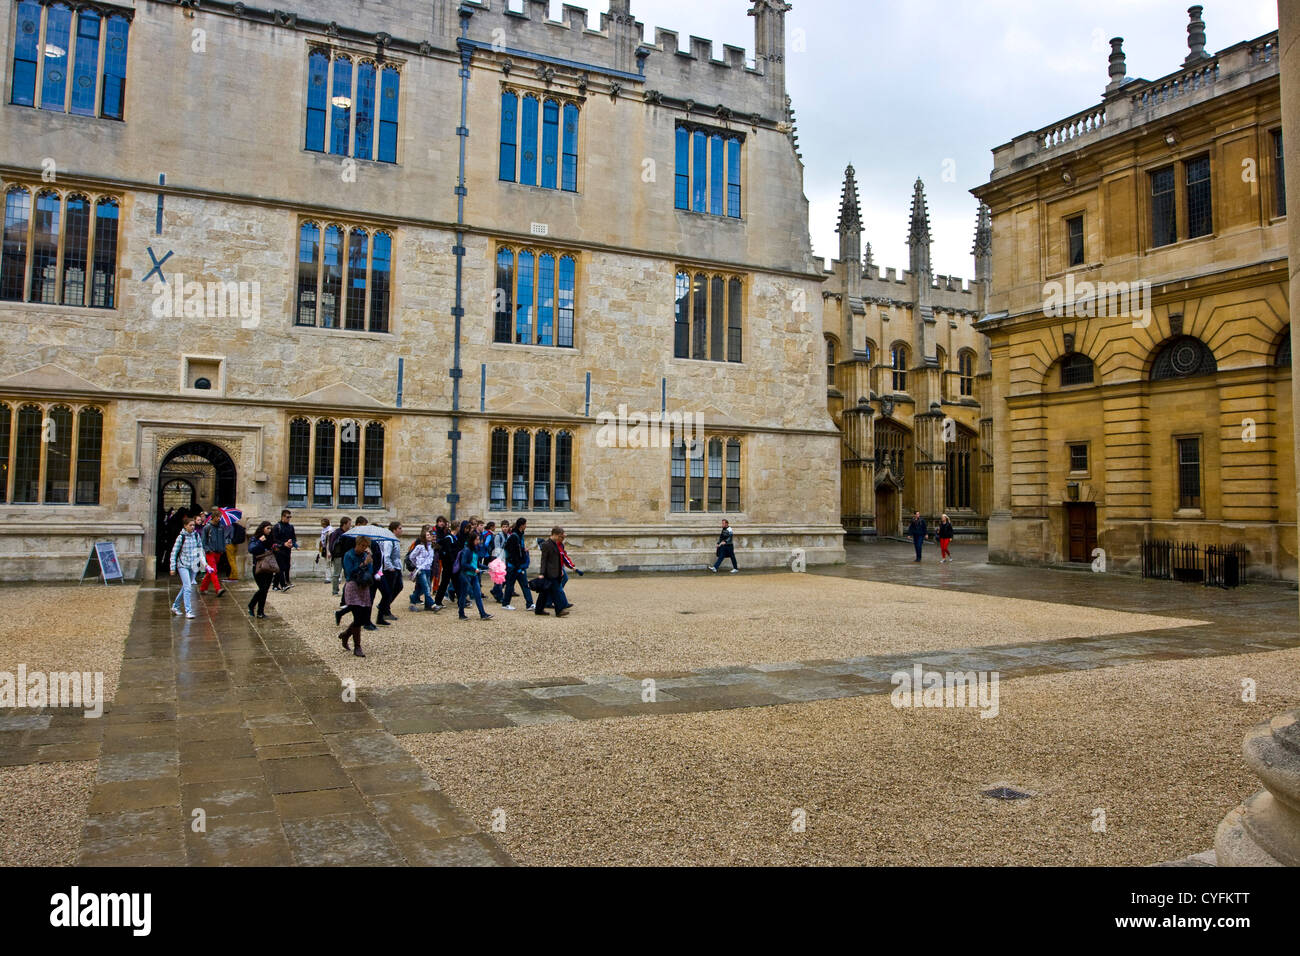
916	531
284	541
945	539
259	549
726	549
188	561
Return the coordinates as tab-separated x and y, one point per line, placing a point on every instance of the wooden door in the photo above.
1082	531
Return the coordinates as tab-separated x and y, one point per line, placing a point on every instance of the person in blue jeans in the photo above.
517	565
468	586
916	531
726	548
188	561
424	555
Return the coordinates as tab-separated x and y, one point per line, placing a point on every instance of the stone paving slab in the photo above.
228	748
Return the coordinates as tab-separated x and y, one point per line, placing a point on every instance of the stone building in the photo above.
907	377
1140	333
399	259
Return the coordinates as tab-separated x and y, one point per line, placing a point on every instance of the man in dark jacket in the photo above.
449	545
516	563
552	571
916	531
284	540
726	549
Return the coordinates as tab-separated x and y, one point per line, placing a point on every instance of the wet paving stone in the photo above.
342	840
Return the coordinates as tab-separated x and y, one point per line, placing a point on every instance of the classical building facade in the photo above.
907	375
404	259
1140	329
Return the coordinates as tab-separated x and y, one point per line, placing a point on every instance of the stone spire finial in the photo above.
1195	37
1118	65
620	6
919	232
983	232
867	261
850	210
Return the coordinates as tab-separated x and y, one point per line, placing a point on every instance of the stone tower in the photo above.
769	49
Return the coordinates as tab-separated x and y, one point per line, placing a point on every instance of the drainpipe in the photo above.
466	47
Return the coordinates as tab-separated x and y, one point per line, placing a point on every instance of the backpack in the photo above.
337	546
455	565
238	534
408	563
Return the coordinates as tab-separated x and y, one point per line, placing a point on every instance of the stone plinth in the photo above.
1265	830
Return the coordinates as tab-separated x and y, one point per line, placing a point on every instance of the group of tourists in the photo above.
207	544
369	568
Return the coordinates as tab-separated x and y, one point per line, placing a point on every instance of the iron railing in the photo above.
1215	566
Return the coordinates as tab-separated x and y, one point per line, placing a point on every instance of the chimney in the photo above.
1195	37
1118	65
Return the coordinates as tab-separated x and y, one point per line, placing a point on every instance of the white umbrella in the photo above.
373	532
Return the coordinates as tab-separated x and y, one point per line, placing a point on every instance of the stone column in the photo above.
859	469
930	469
1265	830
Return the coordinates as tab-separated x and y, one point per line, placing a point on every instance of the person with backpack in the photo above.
449	545
552	570
517	565
338	546
423	563
188	561
467	567
726	549
389	584
214	548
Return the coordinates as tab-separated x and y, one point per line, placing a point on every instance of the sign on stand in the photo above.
103	562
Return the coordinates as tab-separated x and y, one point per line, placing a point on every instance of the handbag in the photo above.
266	564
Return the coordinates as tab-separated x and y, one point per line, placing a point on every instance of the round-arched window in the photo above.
1184	357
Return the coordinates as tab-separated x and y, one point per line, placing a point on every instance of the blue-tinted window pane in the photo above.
58	38
390	99
568	287
550	142
733	178
341	107
716	191
683	186
85	68
503	298
13	254
545	299
115	50
701	183
332	283
682	317
524	307
103	286
358	246
570	183
318	72
381	281
509	136
365	134
528	143
26	52
308	268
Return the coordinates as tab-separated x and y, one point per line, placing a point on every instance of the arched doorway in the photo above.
210	473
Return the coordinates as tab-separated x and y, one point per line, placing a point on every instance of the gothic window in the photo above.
55	228
830	362
326	459
540	287
74	59
344	277
707	169
958	483
898	364
539	141
1184	357
708	320
537	476
705	477
1076	369
61	441
966	370
348	102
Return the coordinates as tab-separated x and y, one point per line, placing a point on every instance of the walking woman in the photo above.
188	561
467	588
259	549
424	556
945	539
359	575
517	564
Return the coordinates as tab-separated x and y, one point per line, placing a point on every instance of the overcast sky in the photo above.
898	87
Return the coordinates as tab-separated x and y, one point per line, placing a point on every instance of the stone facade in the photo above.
1139	320
921	440
209	172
